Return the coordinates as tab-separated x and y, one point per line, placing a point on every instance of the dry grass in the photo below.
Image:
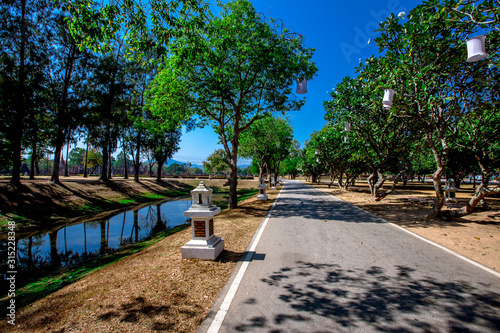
152	290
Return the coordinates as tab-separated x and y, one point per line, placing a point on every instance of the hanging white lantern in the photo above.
476	49
347	127
301	87
316	152
346	138
388	95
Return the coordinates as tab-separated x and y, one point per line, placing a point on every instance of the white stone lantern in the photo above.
301	87
273	183
450	190
388	96
204	244
262	190
476	49
347	127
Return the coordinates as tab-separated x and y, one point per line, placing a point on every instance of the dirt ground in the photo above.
476	236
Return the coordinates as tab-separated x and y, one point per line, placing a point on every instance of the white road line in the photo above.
221	313
470	261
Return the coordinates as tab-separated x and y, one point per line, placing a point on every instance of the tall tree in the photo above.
240	66
163	145
68	71
25	28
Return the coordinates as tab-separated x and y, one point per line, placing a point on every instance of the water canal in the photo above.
42	253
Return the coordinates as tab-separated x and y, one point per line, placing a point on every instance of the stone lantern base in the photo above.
203	249
262	197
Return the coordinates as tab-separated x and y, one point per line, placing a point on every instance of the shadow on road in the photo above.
354	299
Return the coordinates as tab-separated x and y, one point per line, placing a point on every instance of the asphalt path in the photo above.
322	265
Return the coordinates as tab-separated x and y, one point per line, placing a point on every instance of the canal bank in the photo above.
41	204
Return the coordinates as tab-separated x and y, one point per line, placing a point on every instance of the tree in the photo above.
163	145
426	65
108	92
68	71
216	163
122	160
77	156
239	67
379	139
94	159
291	165
267	142
176	169
25	27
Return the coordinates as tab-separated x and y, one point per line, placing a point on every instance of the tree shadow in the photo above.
374	299
132	311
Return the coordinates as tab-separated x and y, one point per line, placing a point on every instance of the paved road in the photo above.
322	265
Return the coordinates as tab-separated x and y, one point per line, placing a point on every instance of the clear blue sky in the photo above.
339	31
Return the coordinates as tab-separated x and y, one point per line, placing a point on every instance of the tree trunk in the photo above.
233	187
105	157
125	172
33	157
371	181
158	171
378	185
137	158
436	179
66	170
57	160
85	175
21	107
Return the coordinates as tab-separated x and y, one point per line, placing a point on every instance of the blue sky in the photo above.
339	31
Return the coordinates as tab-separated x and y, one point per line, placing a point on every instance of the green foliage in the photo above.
77	156
120	160
176	169
216	163
238	67
268	141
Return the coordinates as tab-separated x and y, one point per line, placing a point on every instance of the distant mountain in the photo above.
169	162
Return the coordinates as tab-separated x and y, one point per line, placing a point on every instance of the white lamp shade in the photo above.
301	87
388	95
476	49
347	127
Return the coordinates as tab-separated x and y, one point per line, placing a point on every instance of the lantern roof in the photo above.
202	189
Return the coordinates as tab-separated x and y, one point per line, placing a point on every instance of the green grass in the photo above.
126	201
